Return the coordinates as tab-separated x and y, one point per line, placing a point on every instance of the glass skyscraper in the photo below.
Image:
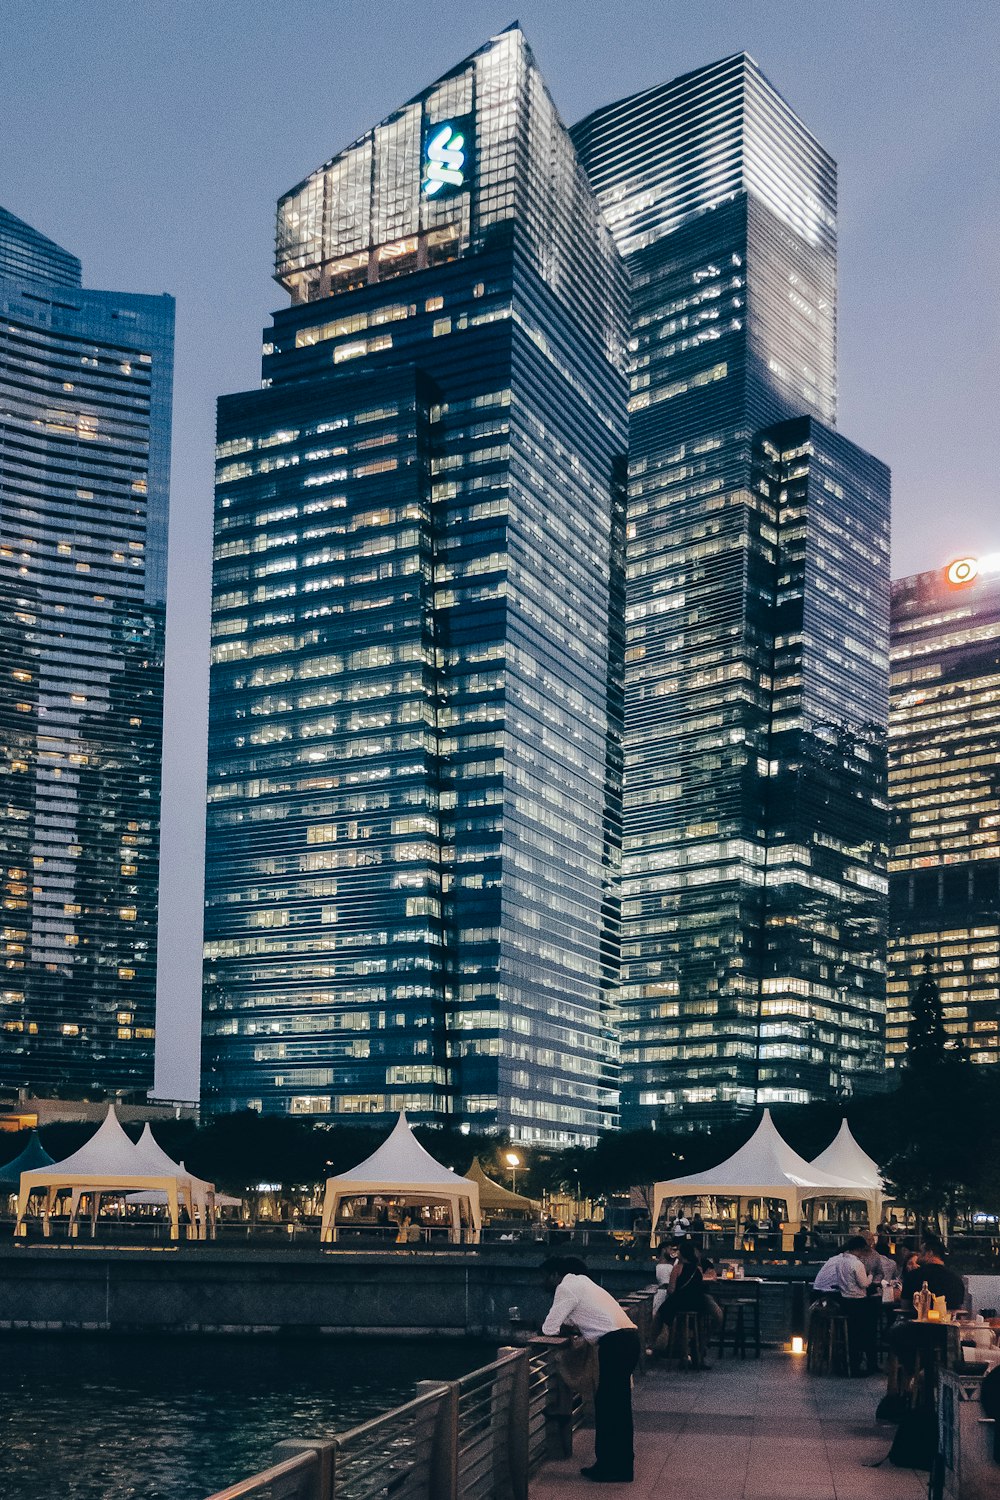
415	720
755	816
944	785
85	390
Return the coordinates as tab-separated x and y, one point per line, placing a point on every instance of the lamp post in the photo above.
513	1161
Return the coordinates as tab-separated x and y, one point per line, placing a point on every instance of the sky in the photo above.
152	138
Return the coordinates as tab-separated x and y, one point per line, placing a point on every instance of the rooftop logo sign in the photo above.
965	570
447	159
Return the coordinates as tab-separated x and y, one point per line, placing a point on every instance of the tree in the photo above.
927	1037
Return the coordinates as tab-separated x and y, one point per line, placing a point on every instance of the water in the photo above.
92	1418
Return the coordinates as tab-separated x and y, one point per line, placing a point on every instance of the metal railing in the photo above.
477	1438
295	1478
470	1438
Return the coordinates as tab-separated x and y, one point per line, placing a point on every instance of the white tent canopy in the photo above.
765	1167
845	1160
197	1195
109	1164
401	1168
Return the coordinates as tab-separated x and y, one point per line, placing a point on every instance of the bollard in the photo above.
320	1484
444	1447
518	1418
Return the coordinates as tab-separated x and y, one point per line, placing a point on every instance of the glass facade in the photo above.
85	389
416	699
944	729
756	624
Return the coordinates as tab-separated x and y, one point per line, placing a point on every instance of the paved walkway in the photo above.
749	1430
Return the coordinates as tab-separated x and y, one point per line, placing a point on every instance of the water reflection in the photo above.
176	1418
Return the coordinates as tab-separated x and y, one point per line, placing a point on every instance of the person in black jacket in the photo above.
940	1279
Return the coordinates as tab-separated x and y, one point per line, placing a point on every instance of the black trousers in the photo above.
862	1314
617	1357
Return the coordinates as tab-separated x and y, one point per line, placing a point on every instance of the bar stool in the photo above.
829	1344
840	1345
744	1310
818	1339
687	1343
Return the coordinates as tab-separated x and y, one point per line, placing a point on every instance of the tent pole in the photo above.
173	1209
21	1228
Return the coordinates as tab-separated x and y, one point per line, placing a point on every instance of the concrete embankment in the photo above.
205	1290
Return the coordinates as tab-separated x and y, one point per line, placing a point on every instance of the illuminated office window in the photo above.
83	517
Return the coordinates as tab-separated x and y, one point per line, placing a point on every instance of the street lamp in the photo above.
513	1161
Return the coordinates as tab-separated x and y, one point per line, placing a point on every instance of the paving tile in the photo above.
774	1425
879	1486
789	1487
778	1481
757	1431
660	1421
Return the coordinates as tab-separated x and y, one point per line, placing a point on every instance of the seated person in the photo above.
686	1291
907	1258
940	1279
665	1261
888	1261
844	1275
914	1343
845	1279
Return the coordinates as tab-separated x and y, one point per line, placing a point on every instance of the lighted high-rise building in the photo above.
85	390
944	788
415	740
755	817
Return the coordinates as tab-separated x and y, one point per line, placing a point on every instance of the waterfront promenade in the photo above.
748	1430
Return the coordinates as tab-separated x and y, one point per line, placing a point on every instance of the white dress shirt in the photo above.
580	1301
664	1270
845	1274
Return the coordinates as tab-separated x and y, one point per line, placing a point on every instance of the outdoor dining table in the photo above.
916	1352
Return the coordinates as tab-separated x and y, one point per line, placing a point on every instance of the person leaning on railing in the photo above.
579	1305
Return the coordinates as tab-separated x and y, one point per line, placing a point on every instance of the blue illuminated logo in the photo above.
445	157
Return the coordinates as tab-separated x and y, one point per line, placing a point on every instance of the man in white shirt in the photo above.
580	1305
845	1274
846	1278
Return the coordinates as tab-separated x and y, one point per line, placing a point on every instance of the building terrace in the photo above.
750	1430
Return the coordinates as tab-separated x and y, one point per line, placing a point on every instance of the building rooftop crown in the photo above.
27	255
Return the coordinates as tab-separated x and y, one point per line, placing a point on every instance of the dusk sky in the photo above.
153	139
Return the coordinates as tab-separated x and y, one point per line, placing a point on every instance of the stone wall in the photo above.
202	1290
